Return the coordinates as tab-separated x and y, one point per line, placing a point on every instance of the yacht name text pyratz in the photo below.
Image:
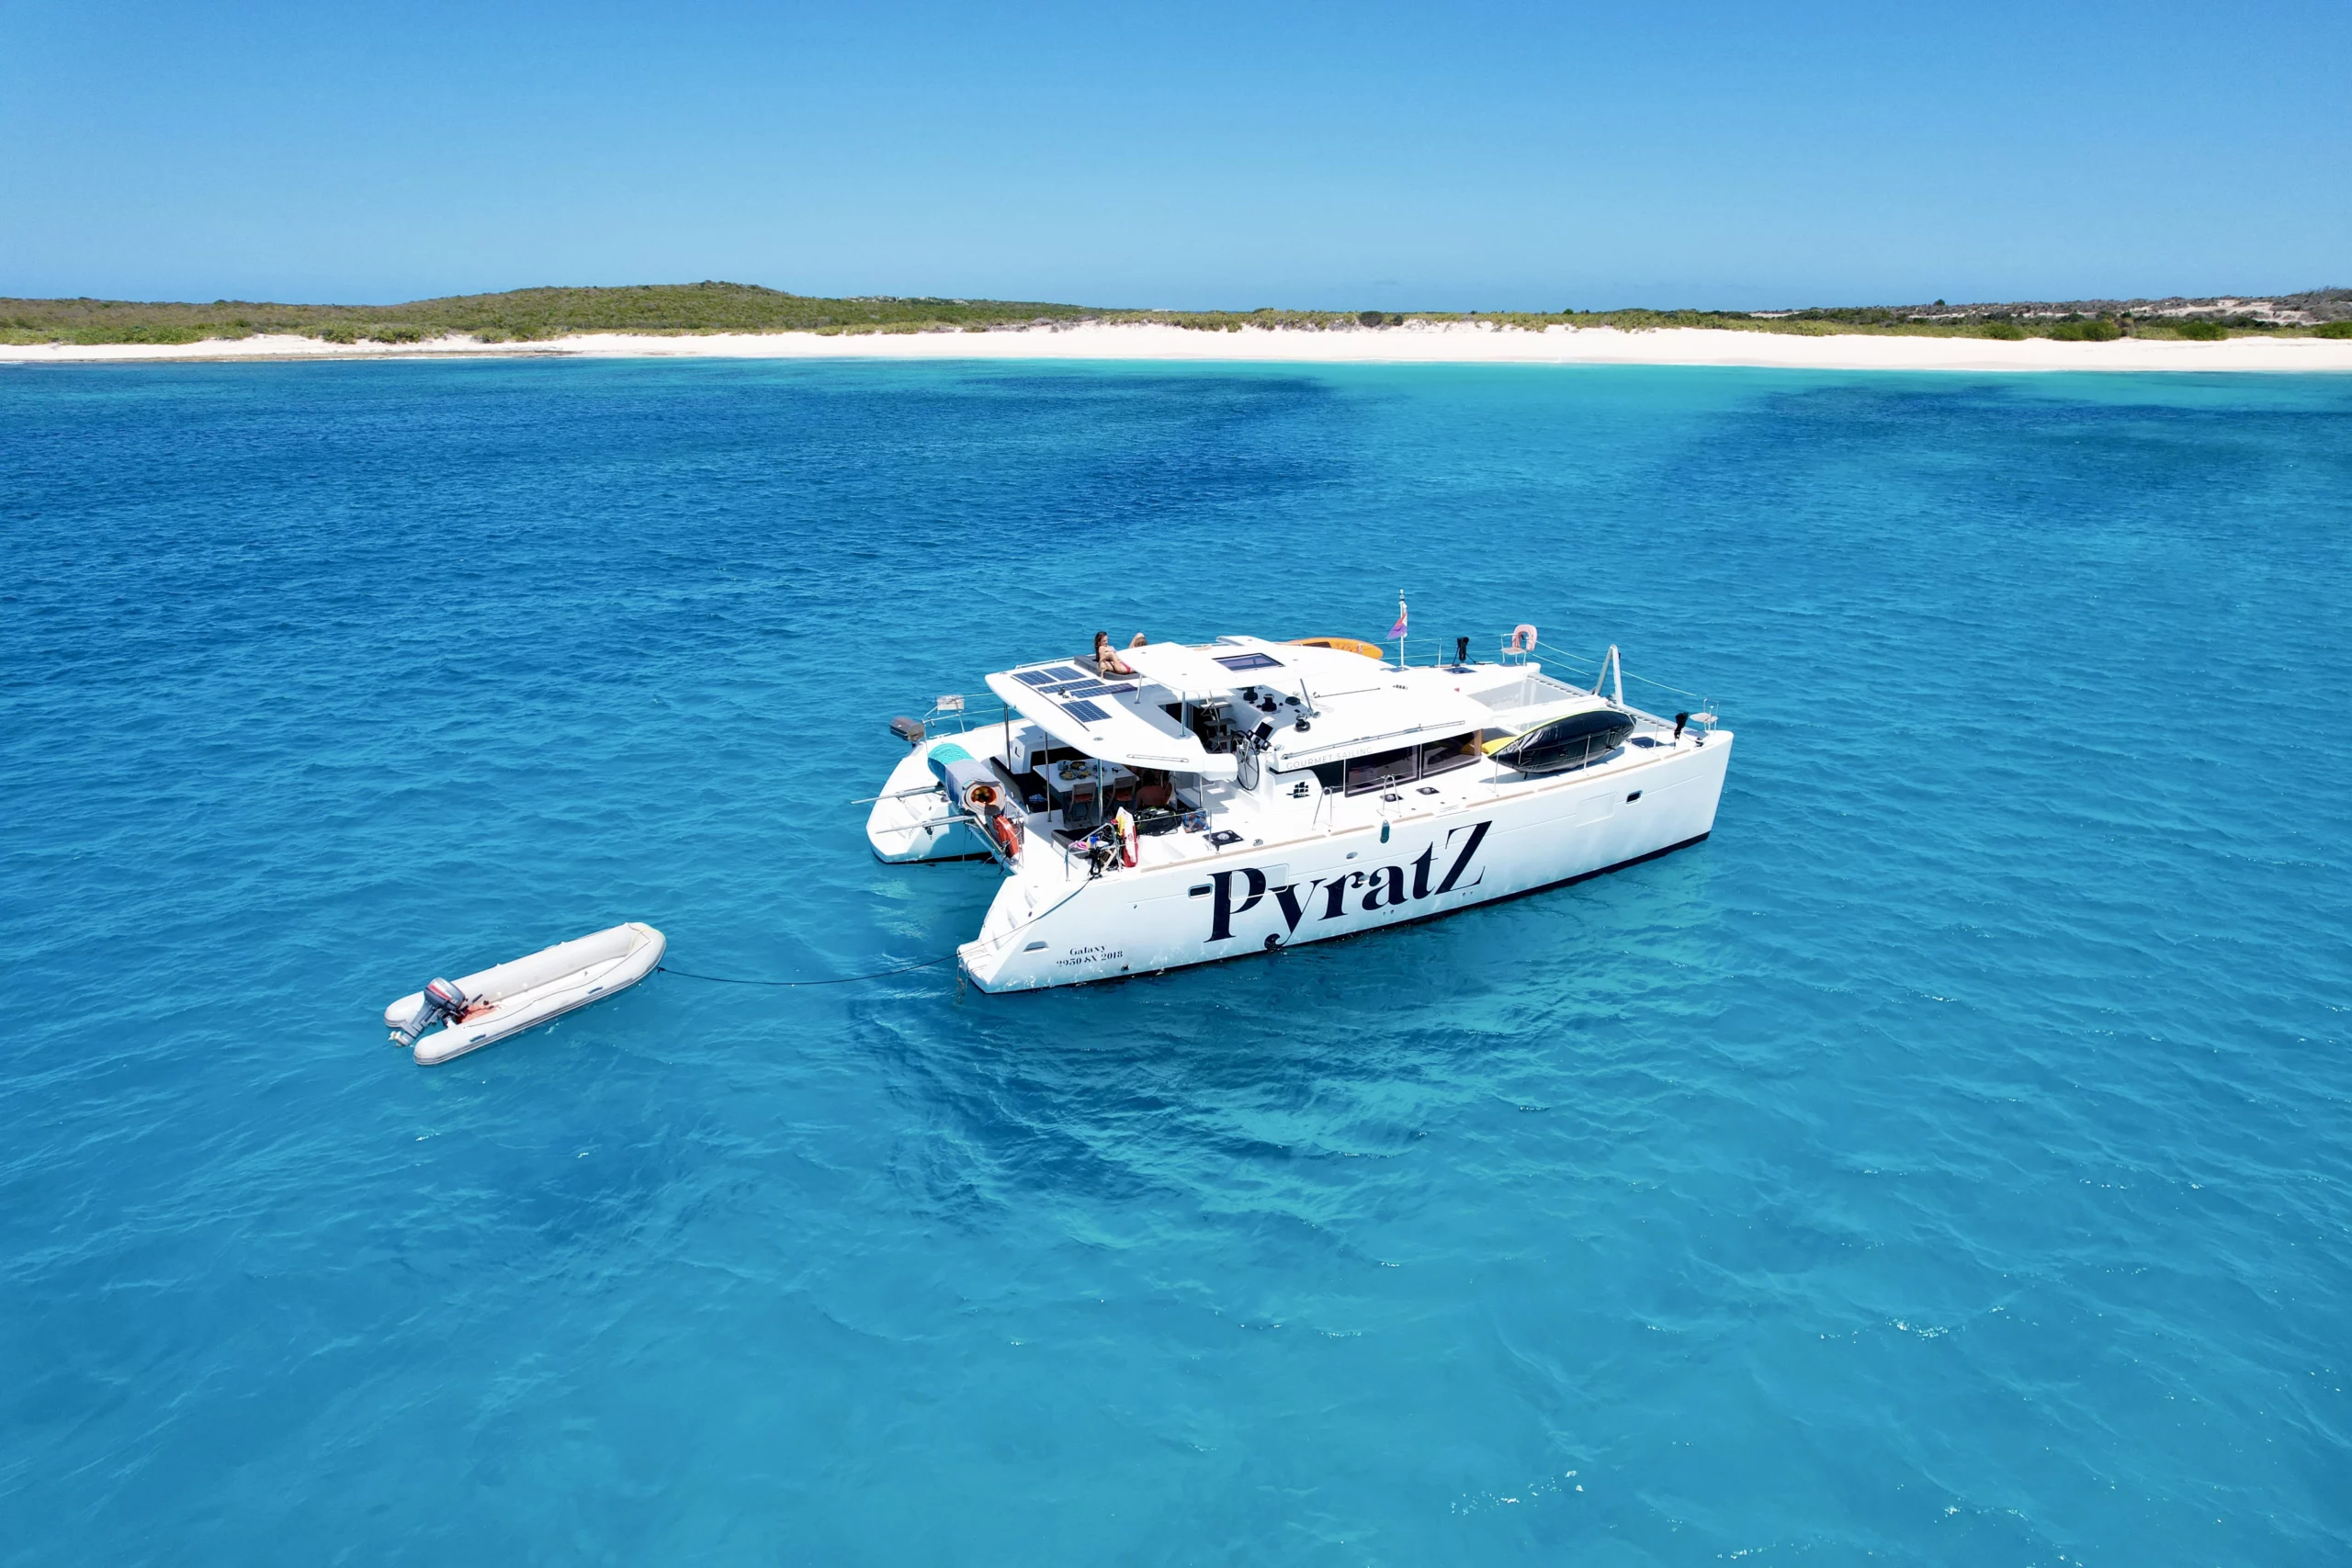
1383	888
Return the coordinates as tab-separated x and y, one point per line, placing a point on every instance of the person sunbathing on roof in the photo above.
1106	661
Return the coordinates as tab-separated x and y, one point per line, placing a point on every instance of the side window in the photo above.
1382	769
1444	756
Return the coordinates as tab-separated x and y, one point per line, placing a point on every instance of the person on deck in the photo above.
1106	661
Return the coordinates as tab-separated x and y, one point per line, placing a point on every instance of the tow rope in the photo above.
836	980
878	973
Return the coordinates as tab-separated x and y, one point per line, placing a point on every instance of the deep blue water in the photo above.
1946	1163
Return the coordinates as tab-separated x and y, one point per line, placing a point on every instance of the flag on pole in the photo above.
1398	629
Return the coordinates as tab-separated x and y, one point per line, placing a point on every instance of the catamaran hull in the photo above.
1040	932
912	820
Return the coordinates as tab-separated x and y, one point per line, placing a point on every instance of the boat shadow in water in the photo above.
1275	1084
559	1150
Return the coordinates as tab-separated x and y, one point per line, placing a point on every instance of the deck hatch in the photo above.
1249	661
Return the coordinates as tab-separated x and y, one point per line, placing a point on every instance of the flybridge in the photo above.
1232	664
1164	805
1207	709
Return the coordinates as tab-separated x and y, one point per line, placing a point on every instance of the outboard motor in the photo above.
442	1000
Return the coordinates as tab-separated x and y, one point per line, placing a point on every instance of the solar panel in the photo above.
1084	711
1064	673
1093	689
1035	677
1249	661
1052	675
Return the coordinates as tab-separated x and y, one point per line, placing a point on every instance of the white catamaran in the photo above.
1242	794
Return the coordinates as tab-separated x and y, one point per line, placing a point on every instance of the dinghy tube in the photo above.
523	993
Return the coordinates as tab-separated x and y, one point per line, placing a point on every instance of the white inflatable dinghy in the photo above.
478	1010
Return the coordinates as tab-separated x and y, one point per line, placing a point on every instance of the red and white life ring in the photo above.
1130	851
1523	638
1008	835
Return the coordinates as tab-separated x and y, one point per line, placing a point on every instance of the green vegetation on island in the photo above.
532	315
523	315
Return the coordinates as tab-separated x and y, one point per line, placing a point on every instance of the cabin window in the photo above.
1444	756
1382	770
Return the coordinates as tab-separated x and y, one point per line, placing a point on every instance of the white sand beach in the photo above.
1452	342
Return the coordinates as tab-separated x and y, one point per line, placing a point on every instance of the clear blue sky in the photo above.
1206	155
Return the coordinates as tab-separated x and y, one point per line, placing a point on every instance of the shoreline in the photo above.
1421	343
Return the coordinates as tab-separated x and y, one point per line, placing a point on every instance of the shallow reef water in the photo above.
1947	1161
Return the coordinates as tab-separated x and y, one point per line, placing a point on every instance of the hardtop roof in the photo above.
1354	704
1213	671
1405	707
1110	719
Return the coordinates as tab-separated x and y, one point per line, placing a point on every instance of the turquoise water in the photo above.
1945	1163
